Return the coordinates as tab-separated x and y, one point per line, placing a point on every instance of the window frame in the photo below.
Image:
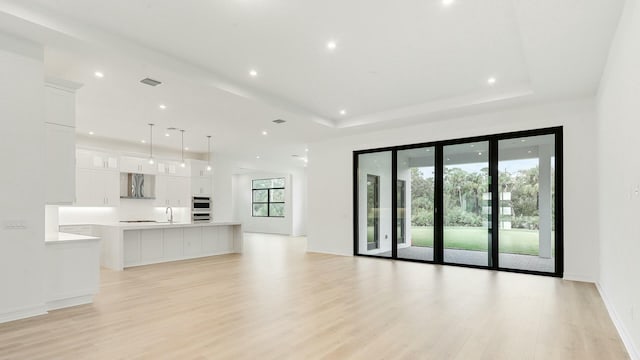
268	203
438	145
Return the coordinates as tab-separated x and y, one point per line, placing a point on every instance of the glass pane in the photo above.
467	204
276	209
277	195
415	193
260	210
262	184
260	195
526	169
277	183
374	203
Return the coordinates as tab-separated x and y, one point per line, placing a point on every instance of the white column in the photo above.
544	200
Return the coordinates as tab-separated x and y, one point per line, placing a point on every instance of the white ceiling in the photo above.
393	63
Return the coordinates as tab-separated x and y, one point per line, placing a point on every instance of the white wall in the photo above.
22	180
618	129
242	185
299	205
330	167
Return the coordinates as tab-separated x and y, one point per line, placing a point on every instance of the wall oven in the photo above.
201	209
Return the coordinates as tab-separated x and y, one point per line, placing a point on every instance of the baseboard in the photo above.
327	253
23	313
577	277
69	302
622	330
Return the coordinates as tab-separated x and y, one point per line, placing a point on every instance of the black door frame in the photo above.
438	201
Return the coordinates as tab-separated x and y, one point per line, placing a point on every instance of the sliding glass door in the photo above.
526	183
467	204
415	210
491	202
374	204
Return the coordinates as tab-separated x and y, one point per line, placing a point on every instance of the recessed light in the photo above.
163	106
523	140
91	133
186	149
143	141
98	74
264	132
343	112
472	145
447	2
491	81
331	45
307	150
257	156
529	152
479	153
253	73
166	134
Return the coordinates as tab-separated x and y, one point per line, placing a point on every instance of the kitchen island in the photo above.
127	245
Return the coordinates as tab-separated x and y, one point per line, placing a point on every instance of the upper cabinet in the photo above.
130	164
199	168
89	159
173	168
201	179
60	141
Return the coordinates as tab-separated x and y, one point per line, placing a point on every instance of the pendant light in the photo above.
208	152
151	144
182	164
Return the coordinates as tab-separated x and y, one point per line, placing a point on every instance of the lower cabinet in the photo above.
142	247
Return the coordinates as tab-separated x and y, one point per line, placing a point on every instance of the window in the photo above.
268	197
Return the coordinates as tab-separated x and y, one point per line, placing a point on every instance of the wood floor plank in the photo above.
276	301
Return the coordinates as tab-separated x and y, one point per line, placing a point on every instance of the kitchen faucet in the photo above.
169	209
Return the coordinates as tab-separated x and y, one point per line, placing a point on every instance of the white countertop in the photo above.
65	237
151	225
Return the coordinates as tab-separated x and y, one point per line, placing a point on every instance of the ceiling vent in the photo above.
150	82
279	121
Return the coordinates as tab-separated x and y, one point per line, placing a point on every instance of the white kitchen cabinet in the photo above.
131	247
199	168
210	243
89	159
172	168
151	248
72	270
60	140
201	186
225	239
60	163
137	165
192	241
97	188
201	179
173	244
172	191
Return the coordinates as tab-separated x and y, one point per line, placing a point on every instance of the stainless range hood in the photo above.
137	186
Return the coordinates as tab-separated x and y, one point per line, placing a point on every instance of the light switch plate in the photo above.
15	224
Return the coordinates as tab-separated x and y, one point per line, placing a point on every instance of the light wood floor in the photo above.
277	302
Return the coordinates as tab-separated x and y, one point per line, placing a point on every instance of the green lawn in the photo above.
512	241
